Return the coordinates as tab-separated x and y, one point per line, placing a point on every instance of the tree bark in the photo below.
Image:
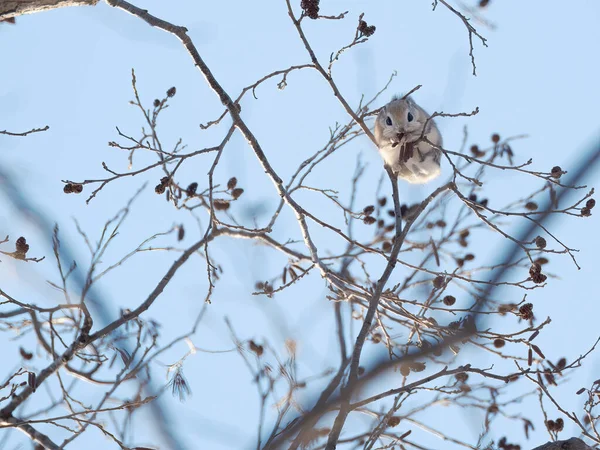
14	8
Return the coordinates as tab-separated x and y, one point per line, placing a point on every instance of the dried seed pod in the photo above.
449	300
438	281
499	343
540	242
191	189
556	172
369	220
25	354
220	204
257	349
462	377
232	183
393	421
311	8
368	210
526	311
531	206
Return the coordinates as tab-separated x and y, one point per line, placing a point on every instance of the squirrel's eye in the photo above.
388	121
410	117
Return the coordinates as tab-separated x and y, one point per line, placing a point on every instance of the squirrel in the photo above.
398	129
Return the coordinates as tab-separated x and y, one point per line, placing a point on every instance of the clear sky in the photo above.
71	69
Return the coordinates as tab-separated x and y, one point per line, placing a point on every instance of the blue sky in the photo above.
71	69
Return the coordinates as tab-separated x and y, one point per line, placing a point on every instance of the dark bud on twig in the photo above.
311	8
171	92
531	206
382	201
556	172
499	343
25	354
191	189
32	381
221	205
550	379
393	421
449	300
476	152
539	278
365	29
438	282
268	289
538	351
70	188
561	364
369	220
257	349
560	424
237	192
180	233
156	103
540	242
535	269
585	211
22	247
495	138
160	188
526	311
368	210
232	183
483	3
462	377
590	203
387	246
